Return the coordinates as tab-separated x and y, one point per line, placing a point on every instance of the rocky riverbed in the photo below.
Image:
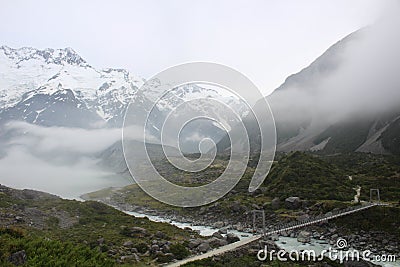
378	242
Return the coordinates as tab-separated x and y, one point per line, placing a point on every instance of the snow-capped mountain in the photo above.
57	87
28	76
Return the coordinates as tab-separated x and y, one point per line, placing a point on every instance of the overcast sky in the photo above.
265	40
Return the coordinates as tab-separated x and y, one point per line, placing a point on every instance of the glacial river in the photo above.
286	243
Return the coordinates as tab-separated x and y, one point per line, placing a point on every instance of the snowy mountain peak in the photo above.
50	56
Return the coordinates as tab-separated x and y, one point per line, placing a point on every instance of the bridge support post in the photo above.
371	191
263	221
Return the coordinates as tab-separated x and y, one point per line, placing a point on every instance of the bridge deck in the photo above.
281	228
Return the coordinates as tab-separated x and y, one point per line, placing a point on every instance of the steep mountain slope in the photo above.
348	99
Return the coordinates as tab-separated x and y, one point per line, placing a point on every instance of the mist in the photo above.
358	76
58	160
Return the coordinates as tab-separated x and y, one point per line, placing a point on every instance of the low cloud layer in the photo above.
58	160
358	76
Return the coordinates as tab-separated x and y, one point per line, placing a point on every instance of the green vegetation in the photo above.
58	232
46	252
324	182
308	177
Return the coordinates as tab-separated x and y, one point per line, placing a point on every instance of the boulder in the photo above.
216	242
18	258
223	231
219	224
304	237
231	238
236	207
194	243
217	235
128	244
161	235
138	230
293	203
204	247
275	203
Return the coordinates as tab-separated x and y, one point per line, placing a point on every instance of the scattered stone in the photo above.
275	203
129	258
231	238
219	224
128	244
193	243
217	235
204	247
161	235
18	258
223	231
273	237
155	248
236	207
139	230
304	237
293	203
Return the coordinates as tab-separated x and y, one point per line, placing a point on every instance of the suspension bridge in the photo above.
280	228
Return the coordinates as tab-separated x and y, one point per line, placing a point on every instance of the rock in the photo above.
18	258
231	238
204	247
293	203
203	210
304	237
138	230
217	235
165	248
316	235
128	244
194	243
214	242
236	207
303	217
223	231
161	235
155	248
285	233
238	227
356	264
275	203
130	257
255	206
100	241
137	258
273	237
219	224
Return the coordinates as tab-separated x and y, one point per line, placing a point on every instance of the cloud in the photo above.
59	160
62	139
359	76
21	169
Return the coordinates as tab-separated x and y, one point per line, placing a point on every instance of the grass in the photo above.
89	222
